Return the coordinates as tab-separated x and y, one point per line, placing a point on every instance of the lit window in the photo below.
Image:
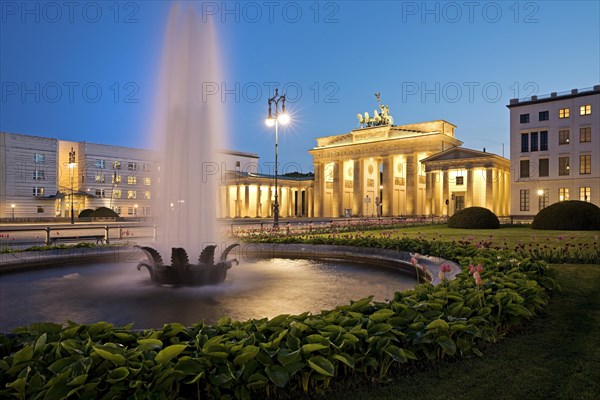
585	110
116	194
585	134
524	200
460	180
100	193
116	178
100	163
39	158
563	137
147	181
564	113
38	191
585	164
99	178
524	118
585	194
544	166
563	194
132	180
39	174
543	198
524	173
131	194
116	165
147	195
563	166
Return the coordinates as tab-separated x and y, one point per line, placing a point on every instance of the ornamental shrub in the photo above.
104	212
568	215
474	218
87	213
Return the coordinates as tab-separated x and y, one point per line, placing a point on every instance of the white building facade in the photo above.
555	149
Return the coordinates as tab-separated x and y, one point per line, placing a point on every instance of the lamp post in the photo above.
541	202
12	206
275	119
71	168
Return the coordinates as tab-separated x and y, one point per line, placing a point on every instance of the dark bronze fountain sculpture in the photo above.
181	272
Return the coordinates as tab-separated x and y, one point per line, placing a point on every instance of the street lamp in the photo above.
71	168
13	211
275	119
541	200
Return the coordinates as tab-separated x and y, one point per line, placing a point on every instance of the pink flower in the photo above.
479	268
471	269
477	277
413	261
446	268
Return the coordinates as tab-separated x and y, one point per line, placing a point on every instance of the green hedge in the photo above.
87	213
104	212
568	215
474	218
289	354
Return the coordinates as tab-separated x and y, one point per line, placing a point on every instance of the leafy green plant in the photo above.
474	218
568	215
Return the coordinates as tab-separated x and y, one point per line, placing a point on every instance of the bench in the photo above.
57	239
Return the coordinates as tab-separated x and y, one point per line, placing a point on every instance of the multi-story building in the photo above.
555	149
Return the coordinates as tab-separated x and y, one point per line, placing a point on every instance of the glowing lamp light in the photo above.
270	122
540	192
284	118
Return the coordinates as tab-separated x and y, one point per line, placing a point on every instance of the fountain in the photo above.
189	129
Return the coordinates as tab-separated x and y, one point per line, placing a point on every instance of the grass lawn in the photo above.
511	235
556	356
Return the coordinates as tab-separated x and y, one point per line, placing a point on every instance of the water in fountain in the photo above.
188	132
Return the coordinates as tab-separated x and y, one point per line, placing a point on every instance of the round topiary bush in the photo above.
86	213
104	212
474	218
570	215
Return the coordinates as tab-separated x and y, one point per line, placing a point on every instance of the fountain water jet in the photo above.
188	132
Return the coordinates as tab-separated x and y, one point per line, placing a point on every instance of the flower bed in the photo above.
295	354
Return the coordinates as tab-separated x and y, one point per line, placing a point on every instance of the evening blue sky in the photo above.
87	70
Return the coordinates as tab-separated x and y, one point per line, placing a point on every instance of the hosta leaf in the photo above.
310	347
447	345
379	329
188	366
357	305
286	357
295	367
278	375
116	359
381	315
321	365
78	380
344	359
257	380
40	343
438	323
168	353
23	355
117	375
247	353
150	344
396	353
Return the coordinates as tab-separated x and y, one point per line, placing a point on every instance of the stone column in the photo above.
310	203
338	188
258	210
318	191
412	180
446	193
357	179
238	201
469	199
388	186
227	202
430	193
489	188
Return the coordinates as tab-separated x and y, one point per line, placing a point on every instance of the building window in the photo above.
100	163
543	198
563	137
147	181
117	209
100	193
524	142
534	141
147	195
116	165
564	113
38	191
116	178
524	173
524	200
132	180
524	118
116	194
563	194
40	209
39	174
460	180
39	158
585	164
544	167
131	166
585	110
99	178
544	115
585	194
563	166
131	194
544	140
146	167
459	203
585	134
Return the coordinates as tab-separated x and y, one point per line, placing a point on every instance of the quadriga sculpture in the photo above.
181	272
